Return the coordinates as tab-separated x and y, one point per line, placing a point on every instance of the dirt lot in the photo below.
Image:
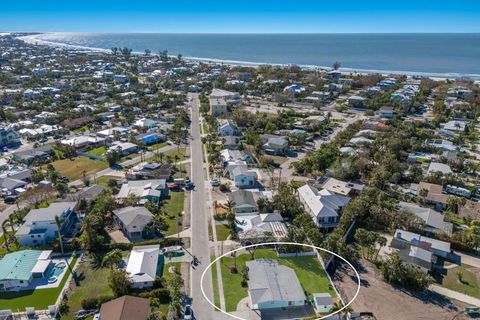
390	303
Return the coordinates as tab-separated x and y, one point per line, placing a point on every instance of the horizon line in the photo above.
243	33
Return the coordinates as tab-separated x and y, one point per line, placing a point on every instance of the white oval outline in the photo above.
278	243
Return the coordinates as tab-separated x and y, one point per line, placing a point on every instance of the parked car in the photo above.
174	187
10	199
188	314
215	182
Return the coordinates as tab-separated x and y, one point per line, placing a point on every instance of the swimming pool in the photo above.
56	270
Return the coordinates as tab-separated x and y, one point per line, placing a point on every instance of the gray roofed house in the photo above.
323	302
29	155
245	202
39	225
274	144
434	221
272	285
132	221
89	193
439	167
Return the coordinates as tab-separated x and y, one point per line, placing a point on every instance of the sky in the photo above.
241	16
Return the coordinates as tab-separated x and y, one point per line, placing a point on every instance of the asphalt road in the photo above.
199	223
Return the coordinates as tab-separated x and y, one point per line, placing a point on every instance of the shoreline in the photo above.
35	40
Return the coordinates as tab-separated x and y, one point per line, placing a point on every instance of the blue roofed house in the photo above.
39	226
19	268
150	138
244	178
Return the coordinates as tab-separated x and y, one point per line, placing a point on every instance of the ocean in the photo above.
446	55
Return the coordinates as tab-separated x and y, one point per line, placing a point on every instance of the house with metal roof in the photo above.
19	268
148	190
125	308
142	265
272	285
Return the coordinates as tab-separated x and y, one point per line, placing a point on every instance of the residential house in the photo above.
456	125
39	226
84	142
231	142
432	194
433	220
244	178
386	112
89	193
356	102
27	156
147	190
256	226
439	167
273	286
112	132
273	144
123	148
227	128
8	137
132	221
341	187
149	170
125	308
419	250
231	98
146	123
18	269
218	107
324	206
142	266
150	138
245	201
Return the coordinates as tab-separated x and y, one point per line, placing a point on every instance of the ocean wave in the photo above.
43	39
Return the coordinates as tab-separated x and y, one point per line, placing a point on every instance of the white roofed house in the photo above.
123	148
132	221
324	206
439	167
274	144
142	266
147	190
273	286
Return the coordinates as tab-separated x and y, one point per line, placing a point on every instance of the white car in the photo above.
215	182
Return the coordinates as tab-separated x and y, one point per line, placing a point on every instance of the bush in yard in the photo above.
233	269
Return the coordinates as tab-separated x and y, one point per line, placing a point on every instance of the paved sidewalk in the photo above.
455	295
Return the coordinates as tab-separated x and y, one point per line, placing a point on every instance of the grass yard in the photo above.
39	299
99	152
103	180
93	283
170	154
216	294
75	167
310	273
156	146
470	278
222	232
174	208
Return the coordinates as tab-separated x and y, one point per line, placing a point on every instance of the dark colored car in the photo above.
10	200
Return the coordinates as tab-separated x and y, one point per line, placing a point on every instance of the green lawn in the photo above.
93	283
222	232
174	208
156	146
471	282
310	273
39	299
216	294
170	155
75	167
103	180
99	152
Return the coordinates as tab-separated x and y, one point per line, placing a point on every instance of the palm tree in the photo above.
230	204
113	258
5	236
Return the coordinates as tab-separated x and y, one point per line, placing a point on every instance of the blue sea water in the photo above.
442	54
